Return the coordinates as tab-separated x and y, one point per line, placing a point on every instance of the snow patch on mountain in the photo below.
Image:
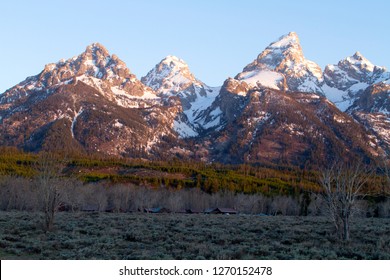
76	115
339	97
214	119
265	78
201	103
183	129
118	124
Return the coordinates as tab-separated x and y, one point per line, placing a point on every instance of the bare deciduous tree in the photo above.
48	181
342	186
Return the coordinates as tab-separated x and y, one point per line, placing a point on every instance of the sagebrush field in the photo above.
180	236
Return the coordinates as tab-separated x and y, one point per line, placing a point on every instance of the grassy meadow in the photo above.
99	235
293	223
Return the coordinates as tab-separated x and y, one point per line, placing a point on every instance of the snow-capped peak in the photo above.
348	78
291	40
359	66
94	67
359	59
283	66
174	61
286	49
170	76
355	69
94	62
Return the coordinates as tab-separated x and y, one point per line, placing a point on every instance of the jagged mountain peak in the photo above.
286	48
172	65
174	61
95	54
358	56
94	47
358	61
101	54
347	79
288	41
360	65
94	67
170	76
95	62
283	66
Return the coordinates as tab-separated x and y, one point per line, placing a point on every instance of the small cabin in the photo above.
193	211
219	210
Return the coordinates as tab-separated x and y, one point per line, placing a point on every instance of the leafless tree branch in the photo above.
48	179
342	186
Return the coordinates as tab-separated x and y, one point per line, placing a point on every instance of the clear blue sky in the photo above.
216	38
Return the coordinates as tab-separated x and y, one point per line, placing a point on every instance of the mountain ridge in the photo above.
170	113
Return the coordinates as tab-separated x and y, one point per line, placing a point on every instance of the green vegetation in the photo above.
210	178
14	162
180	236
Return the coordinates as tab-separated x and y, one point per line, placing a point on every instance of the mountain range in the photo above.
280	109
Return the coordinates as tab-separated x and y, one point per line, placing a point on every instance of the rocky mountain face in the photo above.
89	103
173	78
372	109
280	109
295	128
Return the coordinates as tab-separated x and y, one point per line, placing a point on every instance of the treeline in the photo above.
112	184
210	178
22	194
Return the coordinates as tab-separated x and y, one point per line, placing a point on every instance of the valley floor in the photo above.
179	236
